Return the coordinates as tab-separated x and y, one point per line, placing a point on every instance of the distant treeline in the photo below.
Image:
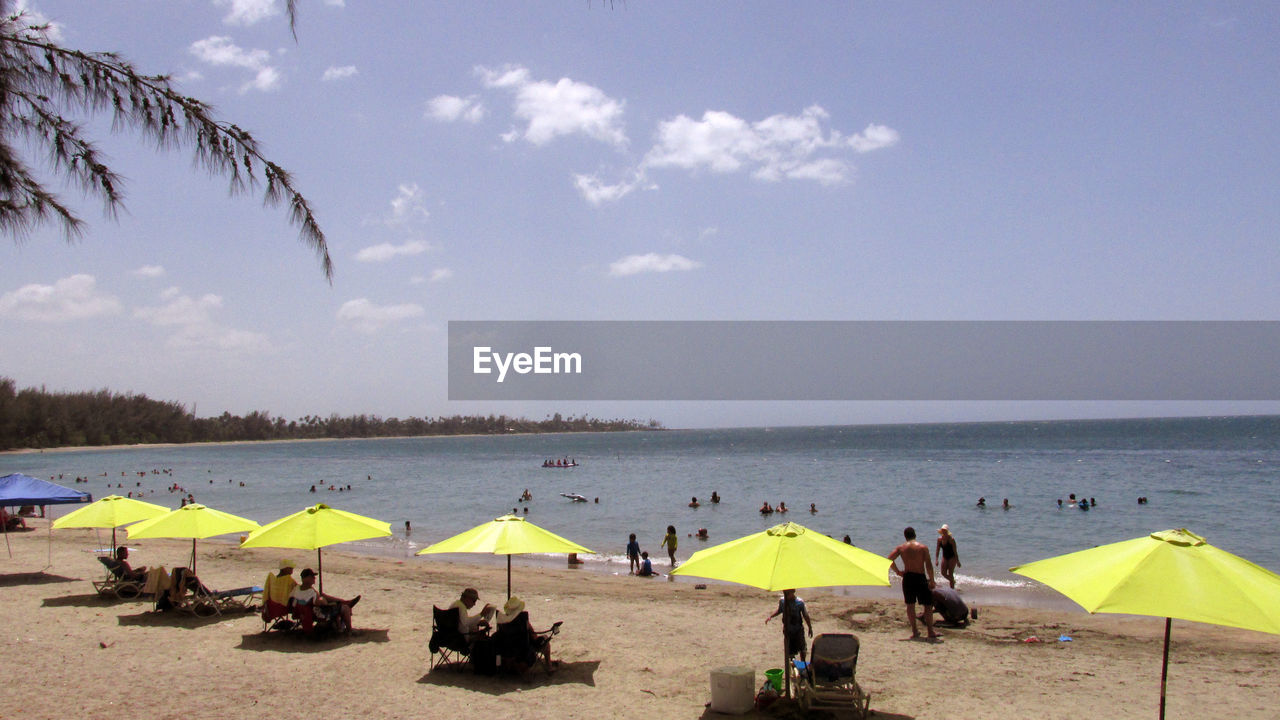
35	418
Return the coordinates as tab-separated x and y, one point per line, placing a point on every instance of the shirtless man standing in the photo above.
916	585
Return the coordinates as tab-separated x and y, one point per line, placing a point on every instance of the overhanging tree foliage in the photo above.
43	83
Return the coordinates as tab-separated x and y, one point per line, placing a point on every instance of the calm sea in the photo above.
1214	476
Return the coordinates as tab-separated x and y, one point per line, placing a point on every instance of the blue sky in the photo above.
652	161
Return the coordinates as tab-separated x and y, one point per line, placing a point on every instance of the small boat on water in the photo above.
574	497
566	463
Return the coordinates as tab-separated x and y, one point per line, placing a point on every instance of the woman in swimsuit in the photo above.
950	556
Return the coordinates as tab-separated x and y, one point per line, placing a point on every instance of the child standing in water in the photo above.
633	554
670	541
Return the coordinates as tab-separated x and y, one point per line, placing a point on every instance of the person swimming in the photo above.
766	509
694	503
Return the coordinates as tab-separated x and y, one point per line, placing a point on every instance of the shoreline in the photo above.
221	443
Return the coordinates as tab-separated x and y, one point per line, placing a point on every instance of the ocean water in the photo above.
1215	476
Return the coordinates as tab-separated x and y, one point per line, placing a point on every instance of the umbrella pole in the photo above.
113	542
193	556
508	575
786	646
6	538
320	564
1164	668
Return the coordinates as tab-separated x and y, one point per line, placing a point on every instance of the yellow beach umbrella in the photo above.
785	557
1168	574
314	528
112	511
193	521
508	535
788	556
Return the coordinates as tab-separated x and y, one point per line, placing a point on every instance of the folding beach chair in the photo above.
115	583
275	602
517	648
452	645
829	680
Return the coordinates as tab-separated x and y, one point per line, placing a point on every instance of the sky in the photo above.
653	161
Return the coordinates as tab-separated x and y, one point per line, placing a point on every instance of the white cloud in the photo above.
32	17
409	204
71	298
365	316
386	251
216	337
440	275
565	107
195	326
450	108
651	262
247	12
874	138
150	271
180	309
596	192
776	148
339	73
221	51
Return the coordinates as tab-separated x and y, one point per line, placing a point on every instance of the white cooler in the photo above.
733	690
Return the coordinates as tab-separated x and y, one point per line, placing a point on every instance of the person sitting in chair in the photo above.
522	639
124	571
277	589
467	623
324	608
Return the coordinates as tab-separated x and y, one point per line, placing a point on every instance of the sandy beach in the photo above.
629	648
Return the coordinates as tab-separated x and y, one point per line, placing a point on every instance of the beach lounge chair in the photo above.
451	644
185	592
115	583
517	648
829	680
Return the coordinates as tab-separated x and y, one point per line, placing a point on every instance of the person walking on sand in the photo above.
670	542
917	587
795	618
950	556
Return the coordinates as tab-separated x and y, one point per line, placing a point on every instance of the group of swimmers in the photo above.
767	509
1083	503
714	500
332	488
562	462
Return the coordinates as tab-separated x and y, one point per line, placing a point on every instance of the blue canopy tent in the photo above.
17	490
